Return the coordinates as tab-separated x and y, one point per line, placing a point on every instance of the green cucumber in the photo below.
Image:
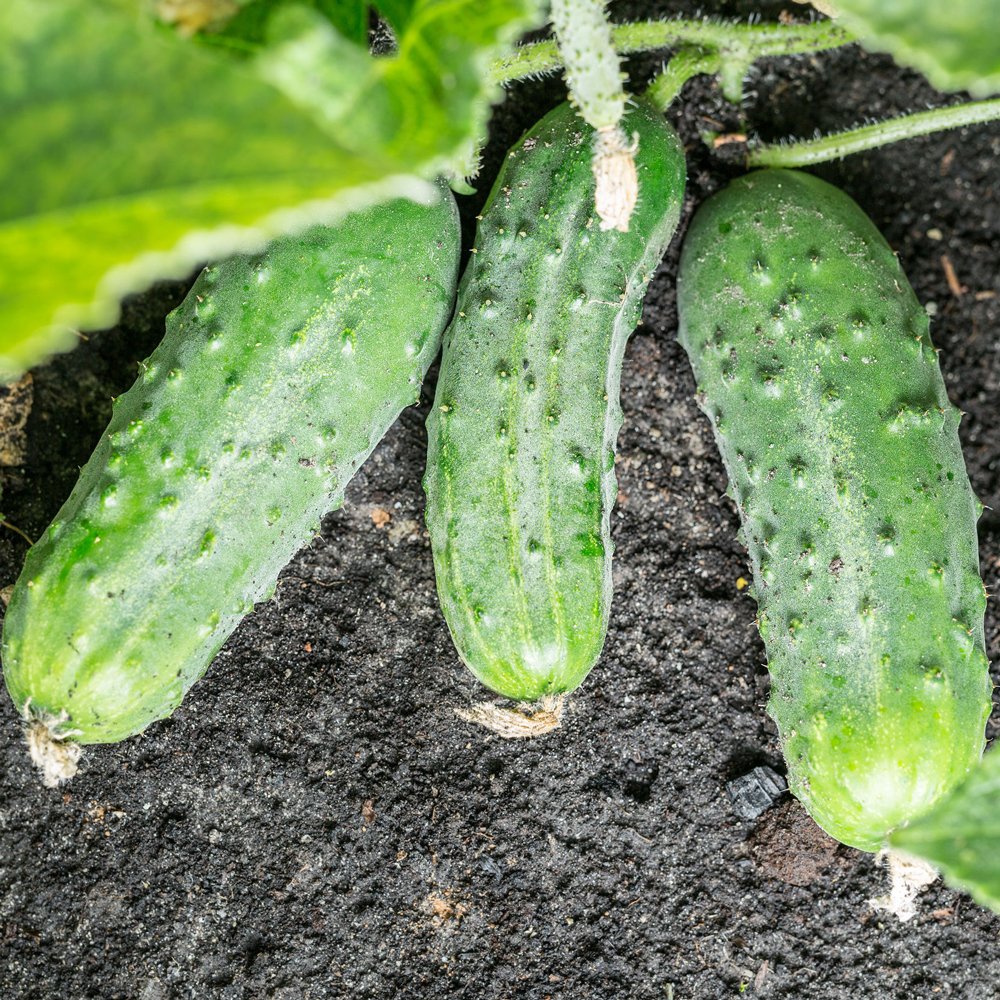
278	375
815	365
520	471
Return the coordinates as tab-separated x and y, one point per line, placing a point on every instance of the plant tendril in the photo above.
805	152
687	63
740	42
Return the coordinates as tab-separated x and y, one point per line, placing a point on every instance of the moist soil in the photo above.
315	821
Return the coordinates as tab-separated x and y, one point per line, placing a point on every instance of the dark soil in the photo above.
314	821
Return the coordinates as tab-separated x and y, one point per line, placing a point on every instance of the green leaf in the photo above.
127	153
961	835
397	12
248	27
427	100
956	43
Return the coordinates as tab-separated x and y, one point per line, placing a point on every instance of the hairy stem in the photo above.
667	85
593	72
744	42
832	147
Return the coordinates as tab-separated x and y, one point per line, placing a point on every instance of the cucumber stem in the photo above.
616	184
687	63
742	42
515	723
593	71
806	152
594	79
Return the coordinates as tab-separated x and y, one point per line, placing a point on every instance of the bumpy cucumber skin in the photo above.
278	375
520	473
815	365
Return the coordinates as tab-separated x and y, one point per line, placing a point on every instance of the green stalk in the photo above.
806	152
593	71
741	42
687	63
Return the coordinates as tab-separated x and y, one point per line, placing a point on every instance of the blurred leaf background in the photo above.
129	152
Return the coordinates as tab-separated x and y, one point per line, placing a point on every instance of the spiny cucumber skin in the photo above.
278	375
815	365
520	473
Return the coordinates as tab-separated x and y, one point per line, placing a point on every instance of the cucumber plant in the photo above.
217	465
815	366
520	467
278	375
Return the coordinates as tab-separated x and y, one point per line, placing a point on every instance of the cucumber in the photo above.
520	469
276	378
815	366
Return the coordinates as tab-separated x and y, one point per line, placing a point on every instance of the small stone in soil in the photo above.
755	792
638	778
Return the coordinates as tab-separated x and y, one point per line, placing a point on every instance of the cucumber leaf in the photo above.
128	154
246	23
397	12
961	835
956	43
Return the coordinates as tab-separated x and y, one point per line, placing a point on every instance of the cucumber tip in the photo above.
521	723
51	749
908	877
